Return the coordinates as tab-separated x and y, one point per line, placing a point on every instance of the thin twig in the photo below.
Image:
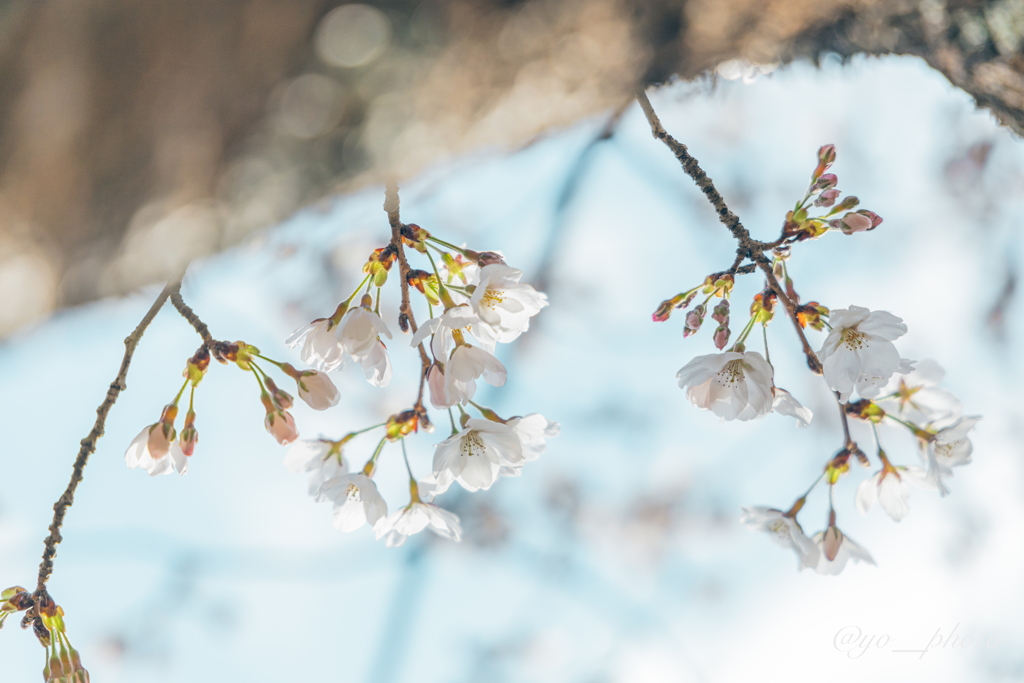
748	247
88	445
391	206
189	315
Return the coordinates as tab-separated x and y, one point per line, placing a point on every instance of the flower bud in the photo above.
317	390
832	540
720	313
855	222
721	337
827	198
850	202
281	426
189	436
827	181
876	220
827	154
694	318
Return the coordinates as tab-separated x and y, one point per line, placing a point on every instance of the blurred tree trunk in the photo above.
137	135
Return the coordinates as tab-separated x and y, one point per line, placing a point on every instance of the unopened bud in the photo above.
855	222
720	313
721	337
850	202
826	181
827	198
833	538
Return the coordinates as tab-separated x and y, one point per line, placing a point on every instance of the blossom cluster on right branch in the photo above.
858	360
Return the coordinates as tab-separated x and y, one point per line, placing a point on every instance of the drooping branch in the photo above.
405	314
88	445
748	247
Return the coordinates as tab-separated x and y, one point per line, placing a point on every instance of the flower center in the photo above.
853	339
472	445
352	495
730	374
945	450
492	297
779	527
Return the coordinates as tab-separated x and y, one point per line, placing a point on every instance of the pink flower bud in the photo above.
855	222
721	312
486	258
317	390
695	317
827	181
827	198
188	439
876	220
827	155
833	539
283	399
721	337
281	426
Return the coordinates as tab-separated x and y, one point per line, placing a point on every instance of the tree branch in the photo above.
88	445
405	314
189	315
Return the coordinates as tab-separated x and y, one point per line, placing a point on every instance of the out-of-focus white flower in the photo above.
156	450
734	386
317	390
358	332
320	346
914	396
950	448
836	549
890	486
734	69
281	426
356	501
322	459
868	387
785	404
377	365
474	456
503	305
414	518
467	364
783	530
859	348
533	430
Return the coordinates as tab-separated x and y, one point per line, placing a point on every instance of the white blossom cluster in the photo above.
860	365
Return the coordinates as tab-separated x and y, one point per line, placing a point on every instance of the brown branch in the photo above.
88	445
748	247
405	314
189	315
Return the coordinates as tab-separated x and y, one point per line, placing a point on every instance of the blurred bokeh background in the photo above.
618	556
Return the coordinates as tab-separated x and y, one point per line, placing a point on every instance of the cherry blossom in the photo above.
949	448
322	459
785	404
474	456
414	518
377	365
732	385
503	305
317	390
467	364
533	430
356	501
836	549
783	530
156	450
913	395
860	347
435	383
320	346
358	331
890	486
460	319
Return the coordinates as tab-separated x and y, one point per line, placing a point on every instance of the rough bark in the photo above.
136	136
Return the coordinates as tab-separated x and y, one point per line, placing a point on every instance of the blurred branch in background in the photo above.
136	137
